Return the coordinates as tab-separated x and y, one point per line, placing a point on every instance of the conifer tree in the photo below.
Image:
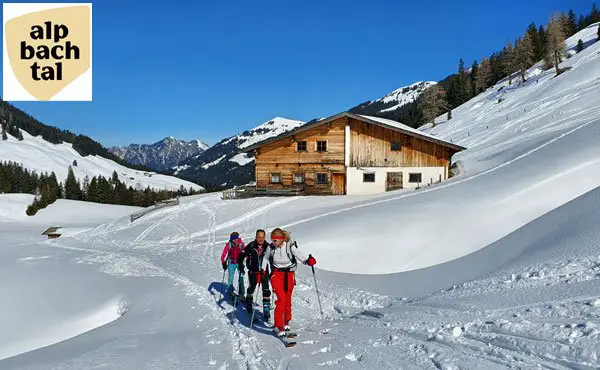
594	15
72	187
542	43
581	23
92	192
571	23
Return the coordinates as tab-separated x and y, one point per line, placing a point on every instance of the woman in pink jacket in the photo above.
229	257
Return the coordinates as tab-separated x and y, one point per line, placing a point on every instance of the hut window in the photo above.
369	177
321	146
396	147
414	177
301	146
321	178
299	178
275	178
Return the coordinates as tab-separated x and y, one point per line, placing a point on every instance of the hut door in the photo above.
394	181
339	183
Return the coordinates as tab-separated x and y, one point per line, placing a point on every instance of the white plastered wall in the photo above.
356	186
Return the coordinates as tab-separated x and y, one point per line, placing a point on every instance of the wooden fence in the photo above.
159	205
251	192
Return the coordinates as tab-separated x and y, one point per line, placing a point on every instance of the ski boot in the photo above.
288	332
266	311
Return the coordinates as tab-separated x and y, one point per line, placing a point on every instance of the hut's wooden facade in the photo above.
351	154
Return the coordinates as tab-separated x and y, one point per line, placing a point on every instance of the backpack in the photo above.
289	242
231	250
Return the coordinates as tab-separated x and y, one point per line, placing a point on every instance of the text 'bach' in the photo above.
56	33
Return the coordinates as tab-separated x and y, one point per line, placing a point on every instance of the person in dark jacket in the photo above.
253	254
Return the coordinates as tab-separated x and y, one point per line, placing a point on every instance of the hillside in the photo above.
506	117
39	155
84	145
399	105
223	164
162	155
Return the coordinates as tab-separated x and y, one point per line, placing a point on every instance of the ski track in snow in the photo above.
116	259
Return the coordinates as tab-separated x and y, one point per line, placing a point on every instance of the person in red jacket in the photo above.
281	256
229	261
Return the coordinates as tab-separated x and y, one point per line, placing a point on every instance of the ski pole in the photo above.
240	282
259	276
317	288
222	284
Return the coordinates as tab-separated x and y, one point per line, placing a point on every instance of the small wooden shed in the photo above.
53	232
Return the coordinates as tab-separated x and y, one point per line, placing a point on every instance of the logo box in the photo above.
47	52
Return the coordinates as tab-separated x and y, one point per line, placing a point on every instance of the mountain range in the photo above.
162	155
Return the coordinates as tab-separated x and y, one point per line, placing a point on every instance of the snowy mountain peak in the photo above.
394	100
406	94
271	128
201	144
224	163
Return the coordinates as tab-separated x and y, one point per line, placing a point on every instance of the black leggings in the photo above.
252	282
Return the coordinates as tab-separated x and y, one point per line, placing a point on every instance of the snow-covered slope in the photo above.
63	212
224	164
161	155
39	155
394	100
510	119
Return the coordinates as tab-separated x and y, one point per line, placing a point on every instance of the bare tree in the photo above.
484	74
509	61
433	103
524	54
555	47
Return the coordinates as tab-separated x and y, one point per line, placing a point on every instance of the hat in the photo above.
234	235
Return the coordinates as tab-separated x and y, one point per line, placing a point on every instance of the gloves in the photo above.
311	261
224	264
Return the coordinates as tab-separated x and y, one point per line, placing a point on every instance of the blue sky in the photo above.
208	70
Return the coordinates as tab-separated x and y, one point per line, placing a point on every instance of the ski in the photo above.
286	341
291	335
